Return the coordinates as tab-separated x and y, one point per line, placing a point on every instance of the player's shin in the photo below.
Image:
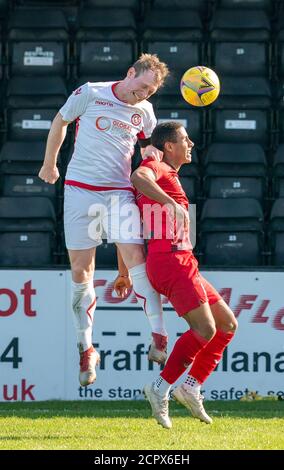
148	298
208	358
183	353
83	305
150	301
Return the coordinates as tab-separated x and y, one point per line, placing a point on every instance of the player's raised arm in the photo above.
49	171
144	180
74	107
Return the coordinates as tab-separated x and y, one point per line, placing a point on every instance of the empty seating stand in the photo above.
276	232
27	231
105	41
38	43
236	178
231	232
31	105
235	171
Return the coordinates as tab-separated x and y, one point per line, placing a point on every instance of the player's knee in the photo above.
81	273
133	257
233	325
207	331
230	326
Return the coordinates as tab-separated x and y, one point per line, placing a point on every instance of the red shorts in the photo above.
176	276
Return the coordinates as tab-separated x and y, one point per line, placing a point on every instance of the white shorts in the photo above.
91	216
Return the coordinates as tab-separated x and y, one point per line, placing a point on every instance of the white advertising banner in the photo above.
38	354
32	339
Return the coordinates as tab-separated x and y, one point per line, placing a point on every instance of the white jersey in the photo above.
106	133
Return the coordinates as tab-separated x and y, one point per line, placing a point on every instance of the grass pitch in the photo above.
128	425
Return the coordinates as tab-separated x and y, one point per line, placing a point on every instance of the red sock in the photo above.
207	359
185	349
161	341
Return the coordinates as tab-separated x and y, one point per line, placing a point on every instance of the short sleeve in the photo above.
153	165
149	123
76	104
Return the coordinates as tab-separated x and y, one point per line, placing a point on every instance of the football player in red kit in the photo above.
173	272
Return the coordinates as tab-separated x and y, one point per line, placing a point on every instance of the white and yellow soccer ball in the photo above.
200	86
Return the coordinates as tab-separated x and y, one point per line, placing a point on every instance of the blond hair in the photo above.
151	62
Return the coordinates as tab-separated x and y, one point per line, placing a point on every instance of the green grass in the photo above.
128	425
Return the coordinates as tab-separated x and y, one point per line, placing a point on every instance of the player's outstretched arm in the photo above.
49	171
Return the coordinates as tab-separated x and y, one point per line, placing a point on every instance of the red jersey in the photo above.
159	225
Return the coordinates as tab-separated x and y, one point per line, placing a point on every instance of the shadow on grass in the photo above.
137	409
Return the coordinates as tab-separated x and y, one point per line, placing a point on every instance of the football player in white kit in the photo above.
110	118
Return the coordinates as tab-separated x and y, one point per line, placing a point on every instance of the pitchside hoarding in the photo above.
39	359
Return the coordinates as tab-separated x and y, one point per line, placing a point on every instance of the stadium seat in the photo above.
45	3
1	56
105	41
38	42
190	178
106	256
278	172
20	158
131	4
4	6
231	232
235	170
175	35
276	232
243	111
280	119
246	4
27	229
245	93
31	105
241	126
29	124
248	56
192	120
280	43
234	187
27	185
199	5
36	92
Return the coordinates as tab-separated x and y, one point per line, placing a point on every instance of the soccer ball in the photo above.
200	86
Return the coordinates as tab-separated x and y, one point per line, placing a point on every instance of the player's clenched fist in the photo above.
48	174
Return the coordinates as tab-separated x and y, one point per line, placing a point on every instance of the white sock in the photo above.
192	385
161	386
148	298
83	305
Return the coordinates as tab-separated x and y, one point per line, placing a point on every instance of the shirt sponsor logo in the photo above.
103	123
115	127
136	119
122	125
104	103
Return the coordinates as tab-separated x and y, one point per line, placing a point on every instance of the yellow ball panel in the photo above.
200	86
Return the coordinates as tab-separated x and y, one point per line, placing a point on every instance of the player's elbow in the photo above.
135	178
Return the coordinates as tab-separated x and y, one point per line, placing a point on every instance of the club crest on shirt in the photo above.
136	119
